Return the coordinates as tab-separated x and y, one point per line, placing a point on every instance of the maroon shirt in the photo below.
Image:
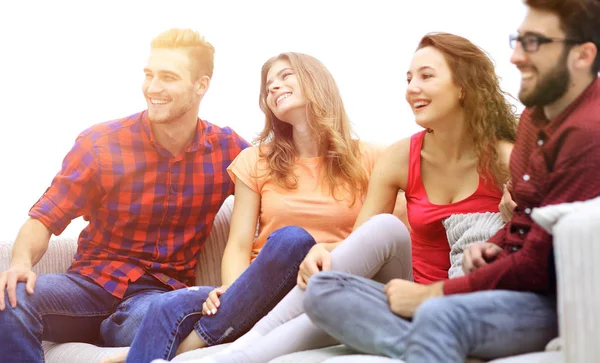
552	162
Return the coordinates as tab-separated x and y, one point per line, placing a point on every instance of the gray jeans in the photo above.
487	324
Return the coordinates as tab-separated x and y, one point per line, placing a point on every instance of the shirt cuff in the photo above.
49	215
459	285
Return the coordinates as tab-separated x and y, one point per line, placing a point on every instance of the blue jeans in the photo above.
487	324
263	284
72	308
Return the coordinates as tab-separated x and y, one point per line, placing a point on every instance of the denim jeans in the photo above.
379	249
263	284
72	308
487	324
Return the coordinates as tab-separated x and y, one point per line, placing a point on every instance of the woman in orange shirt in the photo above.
307	171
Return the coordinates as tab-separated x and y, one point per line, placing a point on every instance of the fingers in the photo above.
2	288
300	282
507	205
467	261
472	258
31	280
491	251
208	308
506	193
326	262
312	267
504	212
308	268
11	288
476	256
214	298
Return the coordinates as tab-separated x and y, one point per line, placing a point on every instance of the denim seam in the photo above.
74	315
200	330
174	332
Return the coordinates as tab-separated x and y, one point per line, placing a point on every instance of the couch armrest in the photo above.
577	252
57	258
208	272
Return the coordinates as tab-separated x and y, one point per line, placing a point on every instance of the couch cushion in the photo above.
316	355
76	352
540	357
199	353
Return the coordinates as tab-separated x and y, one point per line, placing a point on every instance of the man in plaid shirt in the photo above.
150	185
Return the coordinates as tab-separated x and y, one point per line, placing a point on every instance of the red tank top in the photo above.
430	249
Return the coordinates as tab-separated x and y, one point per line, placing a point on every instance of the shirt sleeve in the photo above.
237	145
576	177
73	191
245	168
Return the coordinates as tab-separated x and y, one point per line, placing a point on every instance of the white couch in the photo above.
577	247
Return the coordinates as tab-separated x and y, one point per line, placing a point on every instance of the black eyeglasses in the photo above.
531	42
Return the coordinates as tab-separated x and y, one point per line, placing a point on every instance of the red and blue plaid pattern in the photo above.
148	211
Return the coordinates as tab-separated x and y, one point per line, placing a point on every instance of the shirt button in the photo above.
526	177
514	248
540	142
521	231
527	210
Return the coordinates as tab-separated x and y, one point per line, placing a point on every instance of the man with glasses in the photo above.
505	304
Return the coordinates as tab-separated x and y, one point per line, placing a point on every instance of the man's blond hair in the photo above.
201	52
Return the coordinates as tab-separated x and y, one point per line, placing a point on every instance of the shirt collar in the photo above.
538	118
202	127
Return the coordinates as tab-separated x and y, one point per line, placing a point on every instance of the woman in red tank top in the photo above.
459	162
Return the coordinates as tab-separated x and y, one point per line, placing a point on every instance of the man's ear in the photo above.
201	85
585	56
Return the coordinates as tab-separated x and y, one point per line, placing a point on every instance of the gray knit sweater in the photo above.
464	229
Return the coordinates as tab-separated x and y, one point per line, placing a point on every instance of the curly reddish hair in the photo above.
489	115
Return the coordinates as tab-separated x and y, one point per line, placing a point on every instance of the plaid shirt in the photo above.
553	161
148	212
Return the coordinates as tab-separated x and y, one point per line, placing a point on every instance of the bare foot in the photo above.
117	358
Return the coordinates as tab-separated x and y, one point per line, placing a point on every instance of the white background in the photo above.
68	65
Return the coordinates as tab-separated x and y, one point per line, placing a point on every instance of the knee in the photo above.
164	305
323	294
437	313
388	235
22	297
20	315
290	239
391	227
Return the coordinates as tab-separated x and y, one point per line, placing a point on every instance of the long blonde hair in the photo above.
328	120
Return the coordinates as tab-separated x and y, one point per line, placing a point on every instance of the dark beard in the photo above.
551	88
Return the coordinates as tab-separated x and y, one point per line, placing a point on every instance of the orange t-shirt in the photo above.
310	206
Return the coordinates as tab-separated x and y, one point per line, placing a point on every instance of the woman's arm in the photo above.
504	149
389	175
236	257
506	205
